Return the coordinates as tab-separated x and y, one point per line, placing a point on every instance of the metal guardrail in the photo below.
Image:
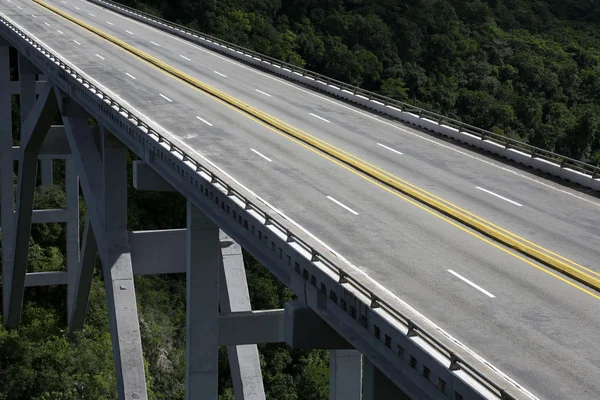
457	362
508	143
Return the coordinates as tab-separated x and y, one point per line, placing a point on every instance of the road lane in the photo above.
562	224
405	247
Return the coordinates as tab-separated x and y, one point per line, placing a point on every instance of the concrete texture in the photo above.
33	132
345	375
202	309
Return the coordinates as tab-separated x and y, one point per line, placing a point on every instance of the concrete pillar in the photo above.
34	130
81	280
6	176
104	185
377	386
244	360
202	323
345	375
47	177
72	230
118	275
27	96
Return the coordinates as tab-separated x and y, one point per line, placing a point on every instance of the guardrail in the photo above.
461	364
555	164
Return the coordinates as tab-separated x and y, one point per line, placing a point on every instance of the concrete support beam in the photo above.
118	274
7	199
49	216
145	178
202	323
345	375
377	386
83	278
34	130
27	95
251	328
104	184
306	330
47	173
14	87
244	360
72	231
158	252
45	278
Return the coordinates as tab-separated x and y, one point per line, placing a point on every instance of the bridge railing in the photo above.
501	140
460	361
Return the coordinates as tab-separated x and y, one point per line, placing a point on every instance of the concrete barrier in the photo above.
590	180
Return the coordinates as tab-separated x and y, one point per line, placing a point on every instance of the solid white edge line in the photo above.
99	56
184	57
218	73
76	42
205	121
321	118
156	44
261	92
165	97
262	155
482	290
342	205
129	75
500	197
275	209
389	148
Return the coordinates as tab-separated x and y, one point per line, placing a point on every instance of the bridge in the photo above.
429	268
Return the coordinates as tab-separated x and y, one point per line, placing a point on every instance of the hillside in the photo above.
527	69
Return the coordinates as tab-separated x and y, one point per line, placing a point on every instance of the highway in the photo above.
524	318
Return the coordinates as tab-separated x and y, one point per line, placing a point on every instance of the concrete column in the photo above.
72	228
47	173
6	176
377	386
118	275
104	184
244	360
34	130
202	323
345	372
83	278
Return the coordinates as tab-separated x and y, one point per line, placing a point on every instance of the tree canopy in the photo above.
526	69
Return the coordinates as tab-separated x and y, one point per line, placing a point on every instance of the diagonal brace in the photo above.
34	131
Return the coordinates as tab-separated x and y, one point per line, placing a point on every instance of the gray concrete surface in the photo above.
559	222
538	329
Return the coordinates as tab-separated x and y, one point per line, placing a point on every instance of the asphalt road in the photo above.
538	329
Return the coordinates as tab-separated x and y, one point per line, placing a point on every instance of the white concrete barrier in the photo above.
590	178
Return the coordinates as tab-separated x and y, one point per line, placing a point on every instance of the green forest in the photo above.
526	69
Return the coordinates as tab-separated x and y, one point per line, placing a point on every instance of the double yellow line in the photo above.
479	224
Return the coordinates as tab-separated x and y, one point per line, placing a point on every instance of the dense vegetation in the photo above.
528	69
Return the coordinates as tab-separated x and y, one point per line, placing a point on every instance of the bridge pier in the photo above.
104	183
7	200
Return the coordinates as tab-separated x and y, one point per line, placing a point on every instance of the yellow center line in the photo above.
353	163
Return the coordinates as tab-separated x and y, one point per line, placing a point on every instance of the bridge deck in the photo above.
515	313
